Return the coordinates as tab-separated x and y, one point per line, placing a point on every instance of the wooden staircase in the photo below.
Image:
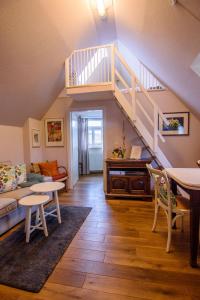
103	72
145	147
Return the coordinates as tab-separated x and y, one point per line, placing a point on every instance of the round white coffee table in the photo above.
29	202
47	187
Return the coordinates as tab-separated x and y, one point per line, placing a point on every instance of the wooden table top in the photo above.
45	187
187	177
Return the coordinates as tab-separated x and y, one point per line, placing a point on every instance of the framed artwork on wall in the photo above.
36	138
54	135
178	124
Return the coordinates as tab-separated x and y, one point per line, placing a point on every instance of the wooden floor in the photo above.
115	256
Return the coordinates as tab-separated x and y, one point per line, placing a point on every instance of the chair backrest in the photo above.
162	187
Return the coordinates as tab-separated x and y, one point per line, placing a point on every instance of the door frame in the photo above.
69	137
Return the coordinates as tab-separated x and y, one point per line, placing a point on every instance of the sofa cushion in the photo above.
18	193
7	205
20	173
8	180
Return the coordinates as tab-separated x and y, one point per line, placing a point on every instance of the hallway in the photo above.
115	256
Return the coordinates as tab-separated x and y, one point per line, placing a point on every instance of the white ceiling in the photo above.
37	35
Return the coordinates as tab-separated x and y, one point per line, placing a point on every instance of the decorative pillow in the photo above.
20	173
8	180
35	177
35	168
49	168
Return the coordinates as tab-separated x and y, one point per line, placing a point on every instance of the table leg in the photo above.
28	223
37	217
43	220
194	235
57	206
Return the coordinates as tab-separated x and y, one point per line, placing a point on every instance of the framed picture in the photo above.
35	138
178	124
54	135
136	152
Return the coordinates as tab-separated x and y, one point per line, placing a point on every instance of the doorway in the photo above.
86	143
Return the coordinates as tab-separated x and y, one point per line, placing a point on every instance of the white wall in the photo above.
11	147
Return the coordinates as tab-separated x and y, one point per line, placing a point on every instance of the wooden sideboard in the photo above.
128	178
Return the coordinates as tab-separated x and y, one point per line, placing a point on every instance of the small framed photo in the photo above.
36	138
136	152
54	134
178	124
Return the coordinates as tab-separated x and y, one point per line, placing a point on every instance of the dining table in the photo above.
188	179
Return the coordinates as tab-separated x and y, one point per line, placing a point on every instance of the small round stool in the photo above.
29	202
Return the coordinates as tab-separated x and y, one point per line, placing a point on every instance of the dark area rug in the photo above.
27	266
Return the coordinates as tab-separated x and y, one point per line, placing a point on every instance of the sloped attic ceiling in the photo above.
166	39
36	36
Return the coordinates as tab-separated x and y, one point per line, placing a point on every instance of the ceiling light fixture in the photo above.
173	2
101	7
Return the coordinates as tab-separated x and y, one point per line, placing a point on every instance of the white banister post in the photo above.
133	93
67	72
155	138
113	65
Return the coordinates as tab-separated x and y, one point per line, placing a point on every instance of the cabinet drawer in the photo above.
138	185
119	185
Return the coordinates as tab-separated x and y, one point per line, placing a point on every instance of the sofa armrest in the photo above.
63	168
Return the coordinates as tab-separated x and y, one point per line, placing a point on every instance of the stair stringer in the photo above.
160	156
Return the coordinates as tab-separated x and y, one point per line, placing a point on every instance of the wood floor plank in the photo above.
132	273
134	288
67	277
59	292
93	255
91	237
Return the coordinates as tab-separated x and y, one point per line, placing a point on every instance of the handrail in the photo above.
145	113
92	48
123	81
124	63
131	73
147	70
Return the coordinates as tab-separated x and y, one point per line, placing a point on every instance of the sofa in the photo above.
15	184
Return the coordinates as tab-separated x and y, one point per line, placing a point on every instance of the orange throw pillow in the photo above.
49	168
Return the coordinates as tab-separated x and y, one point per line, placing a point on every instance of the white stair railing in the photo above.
142	107
89	66
105	65
148	80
